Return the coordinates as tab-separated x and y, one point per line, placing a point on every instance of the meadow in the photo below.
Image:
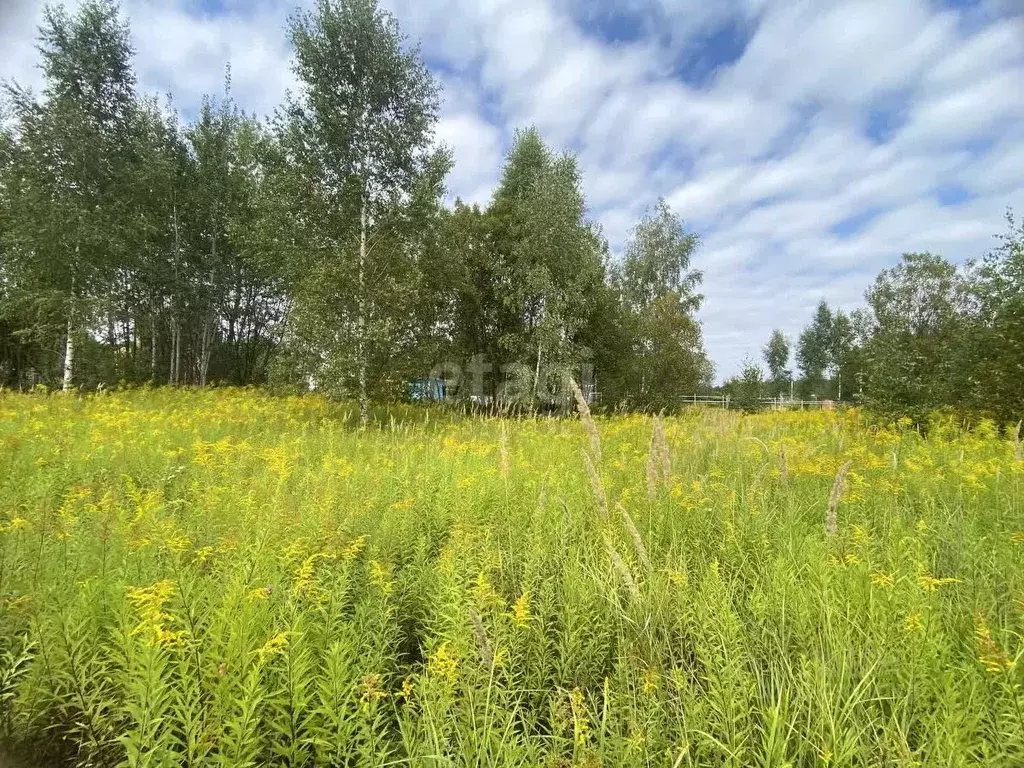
225	577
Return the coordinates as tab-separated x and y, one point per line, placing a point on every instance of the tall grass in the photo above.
227	578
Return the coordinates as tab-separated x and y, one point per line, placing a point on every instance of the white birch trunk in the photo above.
364	404
536	375
69	340
152	350
69	354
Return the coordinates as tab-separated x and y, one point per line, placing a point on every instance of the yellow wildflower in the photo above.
880	579
929	583
176	542
444	663
149	604
580	723
273	646
650	682
989	653
260	593
484	593
408	688
381	576
304	580
521	610
354	548
675	577
371	691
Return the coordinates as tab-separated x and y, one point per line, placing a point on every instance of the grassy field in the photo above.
227	578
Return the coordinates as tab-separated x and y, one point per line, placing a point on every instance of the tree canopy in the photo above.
316	248
320	248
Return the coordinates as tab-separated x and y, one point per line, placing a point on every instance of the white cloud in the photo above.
477	149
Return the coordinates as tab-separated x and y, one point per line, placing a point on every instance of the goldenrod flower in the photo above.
408	688
149	603
580	723
273	646
484	593
371	691
929	583
883	580
650	681
521	610
381	576
354	548
989	653
444	663
913	623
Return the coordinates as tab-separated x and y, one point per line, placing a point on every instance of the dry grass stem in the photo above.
588	421
483	645
831	519
622	569
638	542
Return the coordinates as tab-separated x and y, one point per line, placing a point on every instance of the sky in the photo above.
808	142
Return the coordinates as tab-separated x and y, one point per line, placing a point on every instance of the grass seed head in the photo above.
587	419
622	569
638	542
483	645
831	519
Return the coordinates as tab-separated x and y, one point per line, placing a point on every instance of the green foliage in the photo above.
814	349
995	343
358	134
748	388
657	292
222	577
913	360
66	173
932	336
776	356
316	250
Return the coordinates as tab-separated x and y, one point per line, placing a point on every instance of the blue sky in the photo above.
809	142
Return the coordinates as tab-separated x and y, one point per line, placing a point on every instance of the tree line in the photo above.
931	336
314	247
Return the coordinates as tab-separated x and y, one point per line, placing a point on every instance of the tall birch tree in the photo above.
359	132
68	200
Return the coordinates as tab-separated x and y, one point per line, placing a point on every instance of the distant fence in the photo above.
767	403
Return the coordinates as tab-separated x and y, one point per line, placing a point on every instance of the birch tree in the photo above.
776	356
67	199
658	290
546	260
358	131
